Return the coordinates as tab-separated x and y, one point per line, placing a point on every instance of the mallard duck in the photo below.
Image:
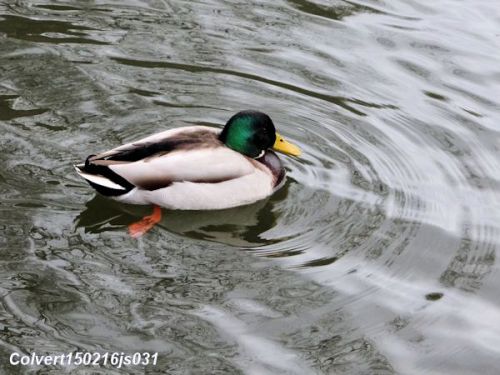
194	167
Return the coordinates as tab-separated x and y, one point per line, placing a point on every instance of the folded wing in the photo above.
191	154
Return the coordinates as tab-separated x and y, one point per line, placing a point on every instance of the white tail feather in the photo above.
99	180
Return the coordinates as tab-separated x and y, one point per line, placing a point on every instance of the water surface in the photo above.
378	256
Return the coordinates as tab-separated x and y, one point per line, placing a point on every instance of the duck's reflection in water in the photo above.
239	226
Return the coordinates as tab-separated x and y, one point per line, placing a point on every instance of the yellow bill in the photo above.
285	147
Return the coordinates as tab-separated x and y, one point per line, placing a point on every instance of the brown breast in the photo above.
273	162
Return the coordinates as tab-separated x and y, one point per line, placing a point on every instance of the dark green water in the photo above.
377	257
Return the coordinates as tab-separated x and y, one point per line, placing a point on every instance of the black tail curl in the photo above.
104	171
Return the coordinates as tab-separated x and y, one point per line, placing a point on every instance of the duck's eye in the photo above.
281	140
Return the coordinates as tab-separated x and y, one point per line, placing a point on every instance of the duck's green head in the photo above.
251	133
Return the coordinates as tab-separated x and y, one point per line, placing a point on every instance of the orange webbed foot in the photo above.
140	227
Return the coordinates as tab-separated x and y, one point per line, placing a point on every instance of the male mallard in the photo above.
194	167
